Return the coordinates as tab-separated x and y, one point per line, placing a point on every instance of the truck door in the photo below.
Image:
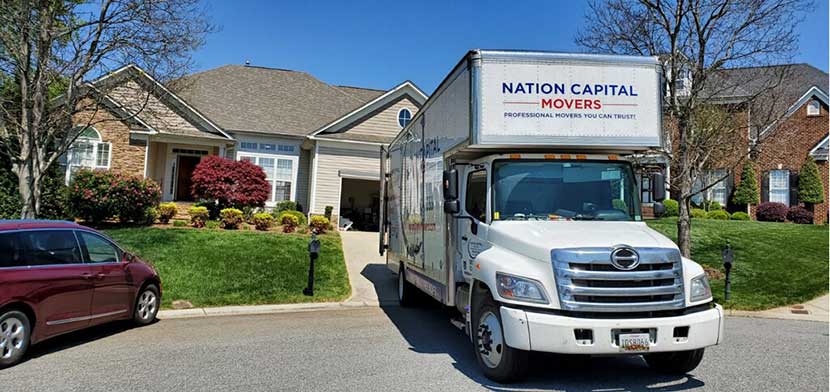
473	232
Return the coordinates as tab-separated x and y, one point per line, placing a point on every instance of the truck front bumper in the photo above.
545	332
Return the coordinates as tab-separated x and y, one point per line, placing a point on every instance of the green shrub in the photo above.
98	195
212	224
301	219
672	207
151	215
740	215
619	204
286	205
263	221
746	192
166	212
288	221
231	218
717	215
810	187
198	216
179	223
327	214
319	224
714	206
698	213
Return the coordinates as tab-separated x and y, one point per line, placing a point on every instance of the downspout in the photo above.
313	202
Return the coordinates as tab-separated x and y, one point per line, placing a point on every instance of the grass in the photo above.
776	264
220	267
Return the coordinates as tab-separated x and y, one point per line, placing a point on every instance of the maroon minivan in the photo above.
57	277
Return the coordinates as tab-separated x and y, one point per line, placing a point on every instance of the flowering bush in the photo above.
198	216
319	224
739	215
288	221
800	215
263	221
717	215
98	195
230	183
166	212
231	218
771	212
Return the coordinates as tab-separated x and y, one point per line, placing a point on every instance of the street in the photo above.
388	348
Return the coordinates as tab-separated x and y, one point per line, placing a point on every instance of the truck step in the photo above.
459	323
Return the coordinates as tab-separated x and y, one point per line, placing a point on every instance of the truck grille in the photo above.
587	280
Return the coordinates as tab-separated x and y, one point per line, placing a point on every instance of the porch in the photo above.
170	162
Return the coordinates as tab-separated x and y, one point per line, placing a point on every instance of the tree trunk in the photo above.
29	189
684	227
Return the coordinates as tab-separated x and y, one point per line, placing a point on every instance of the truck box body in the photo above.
546	206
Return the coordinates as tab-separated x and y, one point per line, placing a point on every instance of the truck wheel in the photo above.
407	293
14	337
500	362
680	362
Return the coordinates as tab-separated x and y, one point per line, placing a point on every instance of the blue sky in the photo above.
378	44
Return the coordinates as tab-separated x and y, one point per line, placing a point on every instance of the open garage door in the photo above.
360	204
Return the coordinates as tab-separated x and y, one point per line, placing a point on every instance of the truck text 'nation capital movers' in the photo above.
510	197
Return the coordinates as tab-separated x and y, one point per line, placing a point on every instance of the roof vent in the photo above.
247	62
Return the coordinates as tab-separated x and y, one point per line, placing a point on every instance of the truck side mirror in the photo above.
659	209
658	187
450	184
451	206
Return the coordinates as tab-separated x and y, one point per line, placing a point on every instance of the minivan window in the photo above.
47	247
9	250
98	250
476	197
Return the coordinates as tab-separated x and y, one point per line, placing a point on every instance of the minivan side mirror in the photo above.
450	185
658	187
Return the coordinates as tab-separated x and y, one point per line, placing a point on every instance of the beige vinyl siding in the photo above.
330	162
303	173
157	158
383	122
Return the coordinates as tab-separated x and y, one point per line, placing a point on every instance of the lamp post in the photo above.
313	253
728	257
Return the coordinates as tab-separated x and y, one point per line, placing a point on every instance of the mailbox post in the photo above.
313	252
728	257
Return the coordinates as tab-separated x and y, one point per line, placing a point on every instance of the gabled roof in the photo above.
791	81
268	100
333	129
138	98
820	151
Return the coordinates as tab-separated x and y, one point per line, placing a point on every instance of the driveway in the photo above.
372	282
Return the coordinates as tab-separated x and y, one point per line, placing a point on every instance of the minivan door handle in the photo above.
86	276
100	276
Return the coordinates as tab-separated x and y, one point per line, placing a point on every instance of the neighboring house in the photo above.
318	144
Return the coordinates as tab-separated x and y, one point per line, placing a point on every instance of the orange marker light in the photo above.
580	156
478	266
613	157
566	156
515	156
550	156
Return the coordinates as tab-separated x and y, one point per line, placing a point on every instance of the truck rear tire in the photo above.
500	362
407	292
679	363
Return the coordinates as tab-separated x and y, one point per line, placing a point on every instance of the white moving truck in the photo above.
510	197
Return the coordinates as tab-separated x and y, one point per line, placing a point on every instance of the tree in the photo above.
696	41
49	49
810	187
746	193
228	183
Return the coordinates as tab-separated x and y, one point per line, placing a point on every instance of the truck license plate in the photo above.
634	342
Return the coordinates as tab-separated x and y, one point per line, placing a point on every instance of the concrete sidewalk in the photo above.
814	310
372	282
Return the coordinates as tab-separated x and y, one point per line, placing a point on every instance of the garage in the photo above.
360	204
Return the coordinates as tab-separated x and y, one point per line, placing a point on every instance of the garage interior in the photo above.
360	204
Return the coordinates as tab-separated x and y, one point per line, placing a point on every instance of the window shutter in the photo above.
793	188
730	187
765	187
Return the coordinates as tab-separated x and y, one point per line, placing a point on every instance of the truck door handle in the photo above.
464	238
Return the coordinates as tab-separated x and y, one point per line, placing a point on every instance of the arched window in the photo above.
88	151
813	108
404	117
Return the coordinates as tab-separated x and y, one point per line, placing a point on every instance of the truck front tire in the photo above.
407	293
679	363
500	362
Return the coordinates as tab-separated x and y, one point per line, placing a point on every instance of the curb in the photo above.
261	309
777	315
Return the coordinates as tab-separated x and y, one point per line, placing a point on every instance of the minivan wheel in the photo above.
677	363
147	305
14	337
499	361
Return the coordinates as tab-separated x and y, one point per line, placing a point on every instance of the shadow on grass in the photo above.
427	330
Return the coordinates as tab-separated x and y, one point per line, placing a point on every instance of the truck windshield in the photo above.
564	190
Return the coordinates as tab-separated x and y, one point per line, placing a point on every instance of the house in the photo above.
784	125
319	144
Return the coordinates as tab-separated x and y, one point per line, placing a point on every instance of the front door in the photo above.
185	165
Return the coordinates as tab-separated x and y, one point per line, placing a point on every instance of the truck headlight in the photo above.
699	289
520	289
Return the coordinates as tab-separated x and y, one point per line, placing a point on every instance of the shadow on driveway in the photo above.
427	330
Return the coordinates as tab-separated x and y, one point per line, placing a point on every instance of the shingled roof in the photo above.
268	100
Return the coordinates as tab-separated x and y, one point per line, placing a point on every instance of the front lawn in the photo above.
221	267
776	264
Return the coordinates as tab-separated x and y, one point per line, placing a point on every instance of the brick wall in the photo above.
126	158
786	148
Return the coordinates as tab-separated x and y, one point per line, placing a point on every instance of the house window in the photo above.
247	146
87	152
268	147
779	186
278	172
813	108
404	117
718	192
285	148
645	188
